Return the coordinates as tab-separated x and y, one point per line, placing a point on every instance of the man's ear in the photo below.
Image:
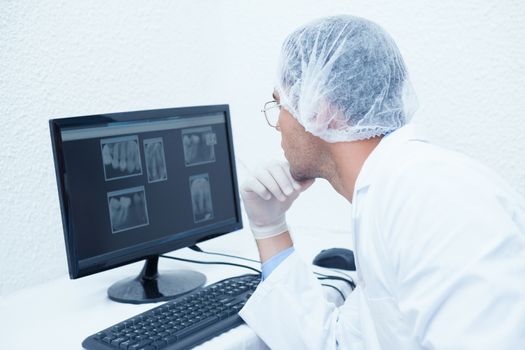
328	117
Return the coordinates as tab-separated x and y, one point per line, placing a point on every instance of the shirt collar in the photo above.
380	154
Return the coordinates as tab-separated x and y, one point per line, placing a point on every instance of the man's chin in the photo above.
299	176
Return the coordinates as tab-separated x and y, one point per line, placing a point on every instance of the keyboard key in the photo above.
125	344
223	315
99	335
194	328
140	344
147	347
108	338
118	340
171	339
160	343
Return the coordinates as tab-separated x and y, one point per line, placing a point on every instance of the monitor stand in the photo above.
150	286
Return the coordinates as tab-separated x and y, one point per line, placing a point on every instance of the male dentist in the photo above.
439	239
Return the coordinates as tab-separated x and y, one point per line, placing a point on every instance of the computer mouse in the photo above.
336	258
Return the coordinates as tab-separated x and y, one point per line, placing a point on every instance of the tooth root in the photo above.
122	156
115	160
131	156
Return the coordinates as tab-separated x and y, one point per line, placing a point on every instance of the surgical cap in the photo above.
343	79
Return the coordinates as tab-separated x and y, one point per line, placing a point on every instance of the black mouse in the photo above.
336	258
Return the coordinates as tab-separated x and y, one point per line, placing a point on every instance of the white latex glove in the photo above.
267	195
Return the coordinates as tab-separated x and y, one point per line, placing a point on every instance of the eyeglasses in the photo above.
271	111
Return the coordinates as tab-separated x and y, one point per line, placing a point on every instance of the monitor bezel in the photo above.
147	249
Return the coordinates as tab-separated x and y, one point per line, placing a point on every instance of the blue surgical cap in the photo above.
343	79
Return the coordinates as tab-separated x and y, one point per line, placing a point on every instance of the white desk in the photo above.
61	313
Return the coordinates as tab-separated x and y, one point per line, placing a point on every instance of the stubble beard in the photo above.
311	167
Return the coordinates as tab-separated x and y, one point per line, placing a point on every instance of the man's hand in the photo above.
267	195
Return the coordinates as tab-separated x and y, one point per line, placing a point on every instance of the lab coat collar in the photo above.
380	154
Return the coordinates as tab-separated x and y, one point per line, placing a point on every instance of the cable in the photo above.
343	273
211	263
348	278
198	249
337	289
336	278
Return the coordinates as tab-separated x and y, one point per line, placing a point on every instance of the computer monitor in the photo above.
135	185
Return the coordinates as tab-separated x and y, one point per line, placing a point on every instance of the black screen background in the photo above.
168	202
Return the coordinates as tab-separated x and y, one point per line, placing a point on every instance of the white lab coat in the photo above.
439	243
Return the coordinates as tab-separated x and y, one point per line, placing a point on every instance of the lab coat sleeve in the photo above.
288	310
458	254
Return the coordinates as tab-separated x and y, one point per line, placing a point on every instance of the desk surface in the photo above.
61	313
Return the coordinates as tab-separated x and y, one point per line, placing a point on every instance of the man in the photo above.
439	239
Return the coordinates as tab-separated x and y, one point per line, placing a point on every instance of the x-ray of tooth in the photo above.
121	157
155	160
127	209
199	145
201	198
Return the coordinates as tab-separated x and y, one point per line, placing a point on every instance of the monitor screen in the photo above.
138	184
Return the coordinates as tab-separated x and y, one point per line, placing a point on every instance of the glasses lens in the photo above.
272	113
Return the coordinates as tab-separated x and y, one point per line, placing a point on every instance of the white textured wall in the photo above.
65	58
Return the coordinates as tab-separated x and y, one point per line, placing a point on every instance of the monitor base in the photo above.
150	286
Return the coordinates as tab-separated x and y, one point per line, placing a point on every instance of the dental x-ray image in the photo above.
121	157
199	145
127	209
155	160
201	198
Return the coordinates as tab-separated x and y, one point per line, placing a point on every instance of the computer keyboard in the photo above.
183	322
